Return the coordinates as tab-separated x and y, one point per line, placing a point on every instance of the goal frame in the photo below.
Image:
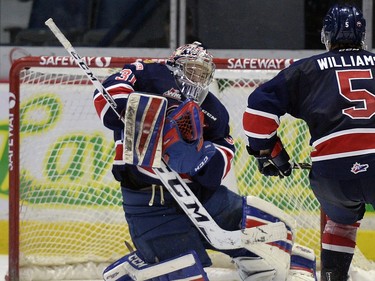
14	124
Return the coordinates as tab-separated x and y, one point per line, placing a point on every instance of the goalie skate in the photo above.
132	267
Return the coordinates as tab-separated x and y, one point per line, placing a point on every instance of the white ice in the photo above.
218	275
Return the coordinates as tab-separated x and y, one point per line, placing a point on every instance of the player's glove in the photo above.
184	149
276	163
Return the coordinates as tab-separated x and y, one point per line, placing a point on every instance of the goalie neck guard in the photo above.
193	69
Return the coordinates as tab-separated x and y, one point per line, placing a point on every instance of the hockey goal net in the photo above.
65	207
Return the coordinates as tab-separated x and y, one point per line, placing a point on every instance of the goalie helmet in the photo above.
343	27
193	69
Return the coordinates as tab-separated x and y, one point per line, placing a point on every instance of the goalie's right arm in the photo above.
119	92
277	261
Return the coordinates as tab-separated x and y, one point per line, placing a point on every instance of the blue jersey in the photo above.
334	93
157	79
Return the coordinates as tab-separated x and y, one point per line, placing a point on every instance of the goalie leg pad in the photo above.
254	269
303	264
132	267
276	254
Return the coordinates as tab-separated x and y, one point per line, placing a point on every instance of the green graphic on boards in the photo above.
75	165
61	164
39	113
4	185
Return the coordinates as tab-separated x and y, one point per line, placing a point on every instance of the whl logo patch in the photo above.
173	94
358	168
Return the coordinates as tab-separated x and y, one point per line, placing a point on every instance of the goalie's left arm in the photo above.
219	166
202	150
217	131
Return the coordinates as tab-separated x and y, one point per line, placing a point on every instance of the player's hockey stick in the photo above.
216	236
304	166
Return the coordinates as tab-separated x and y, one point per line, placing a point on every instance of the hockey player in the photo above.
334	93
201	151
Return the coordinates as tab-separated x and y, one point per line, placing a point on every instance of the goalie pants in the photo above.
163	231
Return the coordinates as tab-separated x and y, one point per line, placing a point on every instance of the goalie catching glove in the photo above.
275	163
184	149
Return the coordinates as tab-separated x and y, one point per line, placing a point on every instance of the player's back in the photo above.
335	87
336	97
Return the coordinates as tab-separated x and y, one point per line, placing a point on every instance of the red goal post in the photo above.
64	205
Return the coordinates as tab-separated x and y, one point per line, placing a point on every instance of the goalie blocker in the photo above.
143	127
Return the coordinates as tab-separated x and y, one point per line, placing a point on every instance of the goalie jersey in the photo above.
157	79
334	93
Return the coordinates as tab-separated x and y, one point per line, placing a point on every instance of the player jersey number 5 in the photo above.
364	99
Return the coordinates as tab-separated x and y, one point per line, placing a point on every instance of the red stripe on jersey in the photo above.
100	102
346	143
118	151
119	90
228	154
277	149
227	169
258	124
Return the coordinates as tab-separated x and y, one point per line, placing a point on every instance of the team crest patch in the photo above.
173	94
358	168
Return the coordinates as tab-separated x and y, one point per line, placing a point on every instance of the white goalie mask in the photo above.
193	69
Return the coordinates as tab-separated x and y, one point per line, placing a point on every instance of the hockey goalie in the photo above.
168	116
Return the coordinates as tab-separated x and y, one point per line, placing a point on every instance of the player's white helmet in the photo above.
193	69
343	27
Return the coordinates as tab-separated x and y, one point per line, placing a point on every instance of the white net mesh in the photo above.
70	205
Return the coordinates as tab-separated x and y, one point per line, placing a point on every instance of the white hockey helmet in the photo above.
193	69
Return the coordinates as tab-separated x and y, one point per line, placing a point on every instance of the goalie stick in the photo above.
215	235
